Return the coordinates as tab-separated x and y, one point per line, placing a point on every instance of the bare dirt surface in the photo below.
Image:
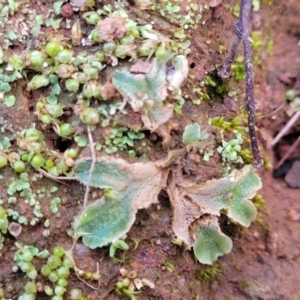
265	260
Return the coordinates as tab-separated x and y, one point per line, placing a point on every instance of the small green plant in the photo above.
198	140
24	257
57	270
20	185
260	204
130	284
169	266
118	244
54	204
294	101
127	188
146	93
230	196
193	134
3	225
230	149
210	242
120	139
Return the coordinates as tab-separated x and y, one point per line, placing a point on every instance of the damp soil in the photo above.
265	260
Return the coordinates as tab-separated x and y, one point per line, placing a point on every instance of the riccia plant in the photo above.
196	208
145	87
127	188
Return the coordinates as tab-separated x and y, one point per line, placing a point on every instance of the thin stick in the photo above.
286	128
250	100
55	178
225	72
272	113
87	190
291	149
242	32
70	256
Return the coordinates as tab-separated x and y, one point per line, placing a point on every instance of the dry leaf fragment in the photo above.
108	91
110	28
76	33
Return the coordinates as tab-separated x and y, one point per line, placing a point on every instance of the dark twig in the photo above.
289	152
242	34
286	128
225	72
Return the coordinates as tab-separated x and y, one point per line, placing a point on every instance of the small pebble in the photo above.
272	242
46	233
261	247
256	234
293	215
194	156
181	281
215	286
39	287
292	178
138	283
81	250
93	297
277	187
14	229
230	104
149	283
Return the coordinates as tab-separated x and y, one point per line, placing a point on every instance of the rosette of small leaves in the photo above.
24	257
193	133
34	150
230	149
54	204
20	185
121	139
57	270
146	93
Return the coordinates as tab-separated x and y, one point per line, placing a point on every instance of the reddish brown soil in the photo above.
265	259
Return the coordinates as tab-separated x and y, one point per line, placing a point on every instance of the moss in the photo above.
238	69
209	274
267	163
216	88
259	202
244	283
